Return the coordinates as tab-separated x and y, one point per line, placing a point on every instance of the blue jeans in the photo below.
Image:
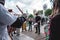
30	27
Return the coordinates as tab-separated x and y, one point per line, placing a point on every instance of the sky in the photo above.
29	5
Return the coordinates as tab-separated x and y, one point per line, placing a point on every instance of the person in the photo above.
24	16
11	29
19	26
5	19
55	22
30	24
37	20
24	24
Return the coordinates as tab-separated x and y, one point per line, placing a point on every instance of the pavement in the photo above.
22	37
30	35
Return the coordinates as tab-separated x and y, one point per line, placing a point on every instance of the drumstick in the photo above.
19	9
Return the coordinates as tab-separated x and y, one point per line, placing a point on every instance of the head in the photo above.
10	10
2	2
37	13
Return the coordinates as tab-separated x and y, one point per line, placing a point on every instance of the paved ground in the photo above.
28	35
22	37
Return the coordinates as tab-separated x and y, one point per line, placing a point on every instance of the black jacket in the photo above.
18	23
55	28
37	18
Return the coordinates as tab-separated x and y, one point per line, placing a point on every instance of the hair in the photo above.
56	5
10	10
37	13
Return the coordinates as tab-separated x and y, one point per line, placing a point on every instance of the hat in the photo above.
2	1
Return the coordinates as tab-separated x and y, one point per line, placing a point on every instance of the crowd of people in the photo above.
21	22
9	23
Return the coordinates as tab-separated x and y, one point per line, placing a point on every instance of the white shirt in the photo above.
5	19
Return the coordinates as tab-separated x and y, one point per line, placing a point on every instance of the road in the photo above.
30	35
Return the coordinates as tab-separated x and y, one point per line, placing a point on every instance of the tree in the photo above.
30	16
41	11
48	12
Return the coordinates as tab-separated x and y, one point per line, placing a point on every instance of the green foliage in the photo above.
51	0
48	12
30	16
41	11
